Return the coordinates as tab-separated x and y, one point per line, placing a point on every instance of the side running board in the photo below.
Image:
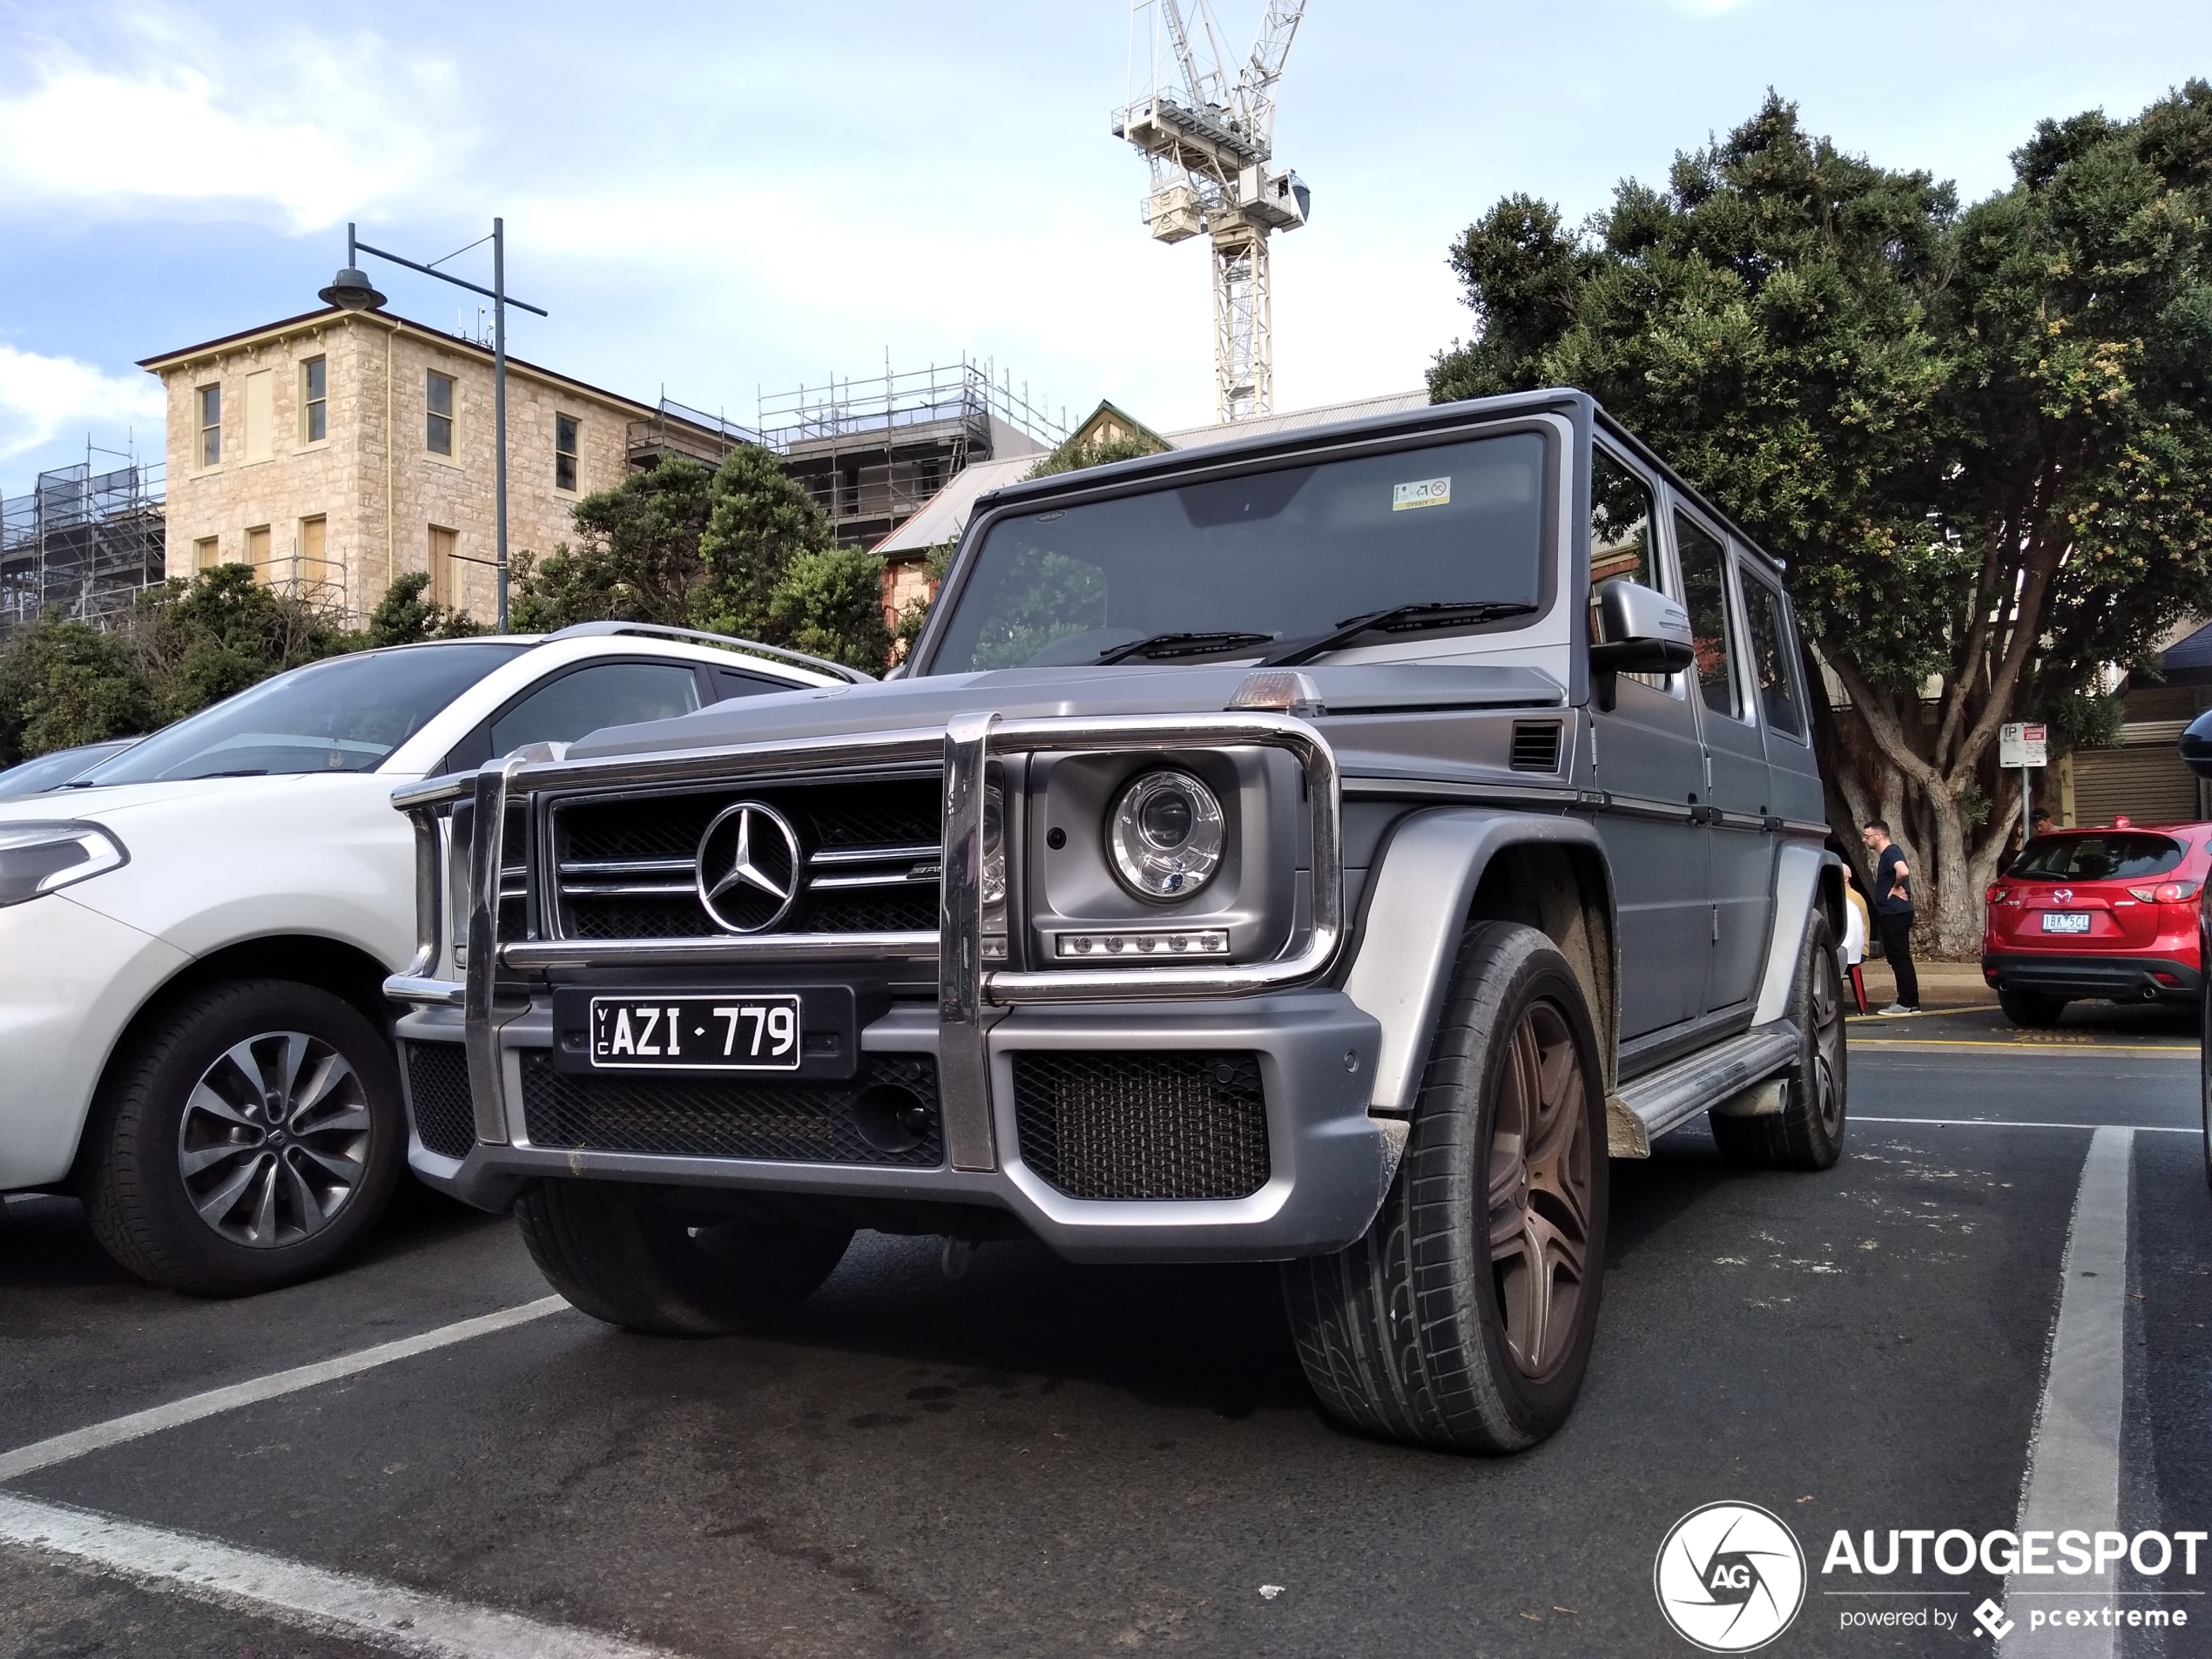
1651	1105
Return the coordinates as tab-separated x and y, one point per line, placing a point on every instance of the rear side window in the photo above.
2114	855
1772	671
731	682
605	694
1704	592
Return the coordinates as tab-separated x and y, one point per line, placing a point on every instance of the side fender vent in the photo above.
1536	746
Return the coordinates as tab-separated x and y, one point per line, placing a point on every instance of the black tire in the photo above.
617	1253
327	1172
2032	1008
1808	1132
1416	1330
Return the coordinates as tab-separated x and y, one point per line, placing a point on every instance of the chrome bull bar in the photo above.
971	996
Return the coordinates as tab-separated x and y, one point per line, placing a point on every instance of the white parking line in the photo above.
59	1449
337	1604
2074	1457
2014	1122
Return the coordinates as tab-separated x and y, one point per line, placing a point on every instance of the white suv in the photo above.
194	937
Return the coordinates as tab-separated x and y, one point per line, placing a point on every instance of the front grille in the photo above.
870	853
1142	1125
437	1085
1536	746
789	1122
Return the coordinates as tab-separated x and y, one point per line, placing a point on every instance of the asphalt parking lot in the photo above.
1042	1459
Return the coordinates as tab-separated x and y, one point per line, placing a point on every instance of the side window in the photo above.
1772	669
605	694
1704	592
1621	521
731	682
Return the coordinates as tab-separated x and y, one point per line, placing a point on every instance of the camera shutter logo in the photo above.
1729	1577
748	868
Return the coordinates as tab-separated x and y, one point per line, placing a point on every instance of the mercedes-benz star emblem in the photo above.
748	867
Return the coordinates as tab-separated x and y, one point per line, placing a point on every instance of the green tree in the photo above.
1980	439
197	641
636	558
761	519
1074	454
403	617
63	682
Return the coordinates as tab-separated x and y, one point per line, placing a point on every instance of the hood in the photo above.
124	800
1036	693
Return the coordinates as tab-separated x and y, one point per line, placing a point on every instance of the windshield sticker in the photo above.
1429	492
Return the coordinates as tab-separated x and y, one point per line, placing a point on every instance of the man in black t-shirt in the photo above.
1893	913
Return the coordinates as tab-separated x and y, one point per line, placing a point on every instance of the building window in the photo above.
565	428
314	400
438	393
211	425
260	415
313	539
442	562
256	551
207	553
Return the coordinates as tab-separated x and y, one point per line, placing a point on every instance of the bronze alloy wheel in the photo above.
274	1139
1825	1004
1540	1189
1464	1317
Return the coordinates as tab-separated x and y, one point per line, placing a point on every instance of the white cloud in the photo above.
302	129
43	398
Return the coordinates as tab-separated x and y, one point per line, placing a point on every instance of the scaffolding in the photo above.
871	451
82	544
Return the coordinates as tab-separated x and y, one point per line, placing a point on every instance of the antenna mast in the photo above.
1209	141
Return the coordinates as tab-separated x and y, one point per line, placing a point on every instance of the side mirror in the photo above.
1643	631
2197	746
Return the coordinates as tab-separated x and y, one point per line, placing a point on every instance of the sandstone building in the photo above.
337	450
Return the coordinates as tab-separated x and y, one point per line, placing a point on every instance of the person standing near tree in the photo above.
1893	913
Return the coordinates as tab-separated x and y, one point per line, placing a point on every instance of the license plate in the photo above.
2066	921
752	1032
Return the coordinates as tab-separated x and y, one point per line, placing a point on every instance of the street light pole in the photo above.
351	290
499	398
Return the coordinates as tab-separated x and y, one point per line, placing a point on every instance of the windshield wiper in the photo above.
1399	619
1182	646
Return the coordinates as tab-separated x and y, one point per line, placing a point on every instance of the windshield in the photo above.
1269	557
50	772
343	715
2123	855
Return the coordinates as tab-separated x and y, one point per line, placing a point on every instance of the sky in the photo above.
715	199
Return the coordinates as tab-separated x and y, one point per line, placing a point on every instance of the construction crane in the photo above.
1210	142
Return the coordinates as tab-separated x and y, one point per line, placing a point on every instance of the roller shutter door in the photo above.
2145	782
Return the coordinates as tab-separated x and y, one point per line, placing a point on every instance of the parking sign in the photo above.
2020	744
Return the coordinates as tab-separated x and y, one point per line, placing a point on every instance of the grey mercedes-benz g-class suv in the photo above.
1323	848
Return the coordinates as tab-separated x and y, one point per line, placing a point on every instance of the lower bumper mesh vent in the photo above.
1142	1125
437	1086
800	1122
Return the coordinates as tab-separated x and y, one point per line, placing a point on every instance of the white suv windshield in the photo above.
344	715
1244	565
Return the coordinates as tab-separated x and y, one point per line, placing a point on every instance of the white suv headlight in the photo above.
1166	833
38	858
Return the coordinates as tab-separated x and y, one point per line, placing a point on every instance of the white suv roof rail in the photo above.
662	630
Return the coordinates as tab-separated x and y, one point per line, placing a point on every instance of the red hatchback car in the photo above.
2098	913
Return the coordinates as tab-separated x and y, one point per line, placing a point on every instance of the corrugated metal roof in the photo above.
944	515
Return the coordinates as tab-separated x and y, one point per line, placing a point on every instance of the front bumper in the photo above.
2124	979
1330	1162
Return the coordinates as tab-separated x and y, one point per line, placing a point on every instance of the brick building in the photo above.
337	450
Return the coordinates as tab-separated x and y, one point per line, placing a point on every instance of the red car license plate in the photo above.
741	1032
2066	921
